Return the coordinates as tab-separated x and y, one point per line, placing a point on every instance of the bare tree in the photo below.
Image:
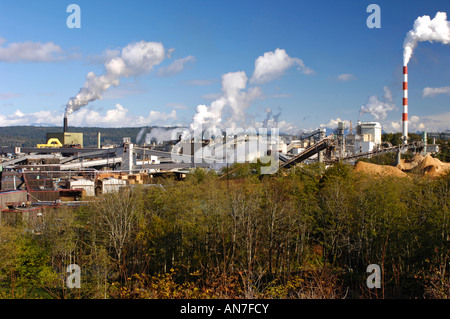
116	217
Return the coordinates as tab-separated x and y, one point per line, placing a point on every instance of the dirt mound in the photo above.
433	167
381	170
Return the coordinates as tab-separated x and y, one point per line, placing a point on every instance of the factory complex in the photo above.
62	172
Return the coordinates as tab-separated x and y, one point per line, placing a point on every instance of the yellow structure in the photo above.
52	142
68	139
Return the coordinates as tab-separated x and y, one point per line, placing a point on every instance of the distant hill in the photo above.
29	136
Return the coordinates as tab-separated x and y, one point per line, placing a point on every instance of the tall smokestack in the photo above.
65	124
405	106
99	143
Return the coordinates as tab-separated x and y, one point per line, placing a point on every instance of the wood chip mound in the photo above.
434	167
380	170
427	166
408	165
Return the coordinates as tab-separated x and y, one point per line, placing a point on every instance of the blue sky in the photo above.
350	61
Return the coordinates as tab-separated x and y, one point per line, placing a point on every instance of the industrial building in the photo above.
67	138
49	176
88	186
112	185
368	137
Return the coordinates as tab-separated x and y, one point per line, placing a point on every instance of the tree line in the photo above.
309	232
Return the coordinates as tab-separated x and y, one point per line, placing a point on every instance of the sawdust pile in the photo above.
408	165
380	170
433	167
427	166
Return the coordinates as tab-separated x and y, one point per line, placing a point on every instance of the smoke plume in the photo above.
234	97
140	133
229	109
426	29
135	59
269	116
159	135
378	107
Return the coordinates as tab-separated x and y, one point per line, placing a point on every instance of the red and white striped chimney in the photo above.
405	106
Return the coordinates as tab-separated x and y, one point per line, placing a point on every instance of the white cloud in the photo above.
437	122
429	123
288	127
118	116
272	65
156	116
416	123
431	92
333	123
393	127
283	126
41	117
346	77
176	66
29	51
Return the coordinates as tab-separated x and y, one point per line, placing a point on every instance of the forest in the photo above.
310	232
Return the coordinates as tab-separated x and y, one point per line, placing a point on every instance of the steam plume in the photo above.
159	135
139	134
135	59
274	117
234	96
378	107
229	109
426	29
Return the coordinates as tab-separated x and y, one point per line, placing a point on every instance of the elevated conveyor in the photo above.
309	151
